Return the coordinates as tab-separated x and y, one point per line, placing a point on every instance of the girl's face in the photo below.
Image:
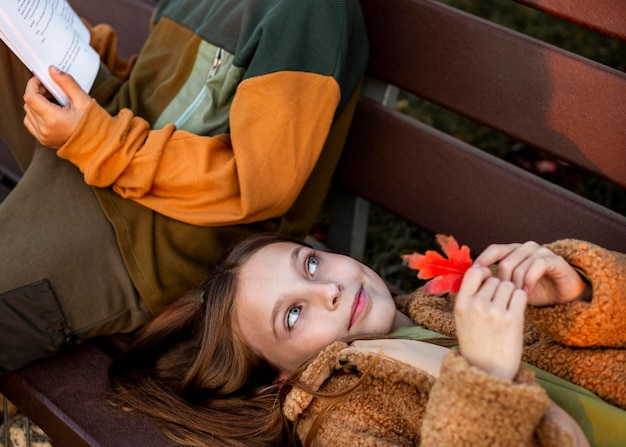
293	301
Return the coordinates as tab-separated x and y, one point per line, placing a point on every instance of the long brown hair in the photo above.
189	369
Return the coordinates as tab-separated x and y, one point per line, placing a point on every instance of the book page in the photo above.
45	32
65	11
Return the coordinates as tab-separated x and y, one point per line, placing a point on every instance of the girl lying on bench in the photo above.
264	340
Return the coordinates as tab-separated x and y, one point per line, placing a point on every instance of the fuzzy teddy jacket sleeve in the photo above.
582	342
396	404
564	339
600	323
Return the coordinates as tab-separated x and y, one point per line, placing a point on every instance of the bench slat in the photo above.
605	16
442	184
568	106
65	396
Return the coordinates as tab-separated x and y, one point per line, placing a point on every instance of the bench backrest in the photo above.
540	95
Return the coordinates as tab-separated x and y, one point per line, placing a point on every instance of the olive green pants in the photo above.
62	278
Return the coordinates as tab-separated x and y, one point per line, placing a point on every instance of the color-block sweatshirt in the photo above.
221	129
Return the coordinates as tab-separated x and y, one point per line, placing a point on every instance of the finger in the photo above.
501	297
473	279
519	273
466	305
69	85
29	126
37	99
30	119
527	275
515	259
518	302
538	264
495	253
32	89
488	290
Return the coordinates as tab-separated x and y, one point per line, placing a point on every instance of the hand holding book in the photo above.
50	123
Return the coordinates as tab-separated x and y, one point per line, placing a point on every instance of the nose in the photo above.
328	294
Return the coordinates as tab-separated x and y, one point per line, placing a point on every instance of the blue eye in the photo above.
293	315
312	262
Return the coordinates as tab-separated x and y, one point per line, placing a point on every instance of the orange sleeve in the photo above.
279	124
104	41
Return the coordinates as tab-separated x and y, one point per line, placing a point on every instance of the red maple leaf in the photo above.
443	275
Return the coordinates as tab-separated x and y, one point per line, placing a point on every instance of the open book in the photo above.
49	32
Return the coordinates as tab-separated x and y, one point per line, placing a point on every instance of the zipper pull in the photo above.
217	60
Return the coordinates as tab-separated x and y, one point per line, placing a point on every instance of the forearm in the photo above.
255	174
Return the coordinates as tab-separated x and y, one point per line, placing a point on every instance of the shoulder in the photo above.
340	366
363	395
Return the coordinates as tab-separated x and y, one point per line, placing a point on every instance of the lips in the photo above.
358	306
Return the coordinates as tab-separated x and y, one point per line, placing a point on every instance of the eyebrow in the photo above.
278	305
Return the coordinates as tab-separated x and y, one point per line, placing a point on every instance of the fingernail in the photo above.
55	69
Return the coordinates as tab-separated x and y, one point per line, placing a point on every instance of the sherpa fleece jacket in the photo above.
399	405
580	342
230	121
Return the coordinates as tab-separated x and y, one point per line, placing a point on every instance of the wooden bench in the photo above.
539	95
555	101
